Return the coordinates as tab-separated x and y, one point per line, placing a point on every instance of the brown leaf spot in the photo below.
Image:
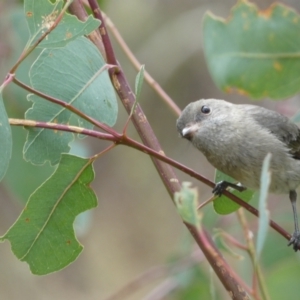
27	220
29	14
68	242
267	13
231	90
277	66
69	35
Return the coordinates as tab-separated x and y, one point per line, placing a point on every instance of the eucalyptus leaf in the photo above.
41	14
224	205
139	80
5	139
71	74
186	201
43	235
255	53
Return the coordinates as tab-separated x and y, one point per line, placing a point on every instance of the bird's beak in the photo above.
189	131
186	131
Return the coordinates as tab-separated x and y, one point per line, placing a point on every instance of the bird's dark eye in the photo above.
205	109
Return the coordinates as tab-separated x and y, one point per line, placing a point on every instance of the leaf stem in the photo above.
201	205
107	149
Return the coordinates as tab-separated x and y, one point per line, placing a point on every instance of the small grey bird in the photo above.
235	139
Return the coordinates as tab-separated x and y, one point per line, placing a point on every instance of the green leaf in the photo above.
5	139
43	235
138	87
41	14
35	175
224	205
139	80
186	201
254	52
80	84
264	215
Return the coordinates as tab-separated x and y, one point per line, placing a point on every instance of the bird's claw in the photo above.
219	188
295	241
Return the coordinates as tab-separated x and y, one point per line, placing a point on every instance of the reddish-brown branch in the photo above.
110	55
149	79
229	280
76	8
238	289
64	104
121	139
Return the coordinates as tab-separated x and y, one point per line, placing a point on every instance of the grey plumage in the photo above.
236	138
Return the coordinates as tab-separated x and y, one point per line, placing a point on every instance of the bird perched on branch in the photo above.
235	139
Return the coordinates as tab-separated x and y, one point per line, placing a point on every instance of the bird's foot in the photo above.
221	186
295	241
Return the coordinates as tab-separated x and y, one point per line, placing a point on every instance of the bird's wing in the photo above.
279	125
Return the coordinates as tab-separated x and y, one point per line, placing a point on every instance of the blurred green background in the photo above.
135	226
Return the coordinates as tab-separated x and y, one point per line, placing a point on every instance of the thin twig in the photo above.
230	278
65	104
120	139
107	149
204	203
149	79
227	276
63	127
110	54
230	239
251	250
